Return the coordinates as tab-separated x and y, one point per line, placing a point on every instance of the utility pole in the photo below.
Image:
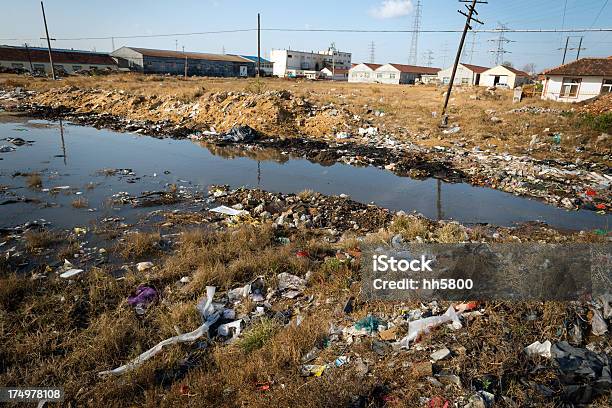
258	45
113	42
185	61
176	45
333	50
372	52
567	48
500	41
416	29
48	41
469	17
29	58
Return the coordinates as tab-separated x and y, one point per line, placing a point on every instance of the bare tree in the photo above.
530	68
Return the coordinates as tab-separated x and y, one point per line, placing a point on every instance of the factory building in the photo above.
150	61
35	59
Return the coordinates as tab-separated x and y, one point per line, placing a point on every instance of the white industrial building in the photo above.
338	74
579	80
467	74
298	64
504	77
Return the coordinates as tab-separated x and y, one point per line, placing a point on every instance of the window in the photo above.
17	65
367	74
392	76
465	81
379	75
77	67
39	67
606	86
570	87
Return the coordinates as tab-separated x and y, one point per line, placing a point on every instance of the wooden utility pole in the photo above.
258	45
471	11
185	61
48	41
565	52
29	58
579	49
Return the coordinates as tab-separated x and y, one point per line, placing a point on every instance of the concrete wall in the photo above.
507	77
45	67
133	59
196	67
589	88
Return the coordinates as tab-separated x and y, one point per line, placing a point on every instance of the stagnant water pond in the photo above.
71	155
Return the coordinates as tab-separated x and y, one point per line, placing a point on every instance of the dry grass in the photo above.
409	227
451	233
80	202
34	181
139	245
36	240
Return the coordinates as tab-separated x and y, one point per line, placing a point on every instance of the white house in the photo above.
401	74
363	73
466	74
338	74
292	63
504	76
579	80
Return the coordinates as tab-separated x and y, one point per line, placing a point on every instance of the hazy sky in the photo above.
21	21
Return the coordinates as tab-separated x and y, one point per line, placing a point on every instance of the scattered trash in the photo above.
556	138
290	286
598	325
423	326
369	324
142	298
440	354
242	134
209	315
7	149
228	211
452	130
144	266
539	349
70	273
313	370
340	361
584	374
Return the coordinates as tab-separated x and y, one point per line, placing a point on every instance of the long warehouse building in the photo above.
35	59
150	61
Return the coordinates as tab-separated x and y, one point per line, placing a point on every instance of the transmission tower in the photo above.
416	28
429	57
468	52
372	52
501	41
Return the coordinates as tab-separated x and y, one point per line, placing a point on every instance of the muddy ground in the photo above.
317	342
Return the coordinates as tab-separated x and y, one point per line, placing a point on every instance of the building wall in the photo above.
488	77
589	88
45	67
291	60
463	76
387	74
361	74
128	58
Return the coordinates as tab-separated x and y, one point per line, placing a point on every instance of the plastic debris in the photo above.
209	315
340	361
539	349
70	273
243	134
7	149
143	266
369	324
440	354
232	329
598	325
452	130
291	286
142	298
584	374
228	211
313	370
423	326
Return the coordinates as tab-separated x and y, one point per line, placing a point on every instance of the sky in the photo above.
21	21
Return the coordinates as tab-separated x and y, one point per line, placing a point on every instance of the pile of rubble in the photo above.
536	110
600	106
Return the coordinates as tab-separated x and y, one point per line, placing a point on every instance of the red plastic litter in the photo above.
600	206
591	192
302	254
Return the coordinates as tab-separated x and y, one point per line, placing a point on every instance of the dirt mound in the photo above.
277	113
599	106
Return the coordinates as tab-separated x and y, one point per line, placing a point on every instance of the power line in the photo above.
429	57
329	30
414	44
